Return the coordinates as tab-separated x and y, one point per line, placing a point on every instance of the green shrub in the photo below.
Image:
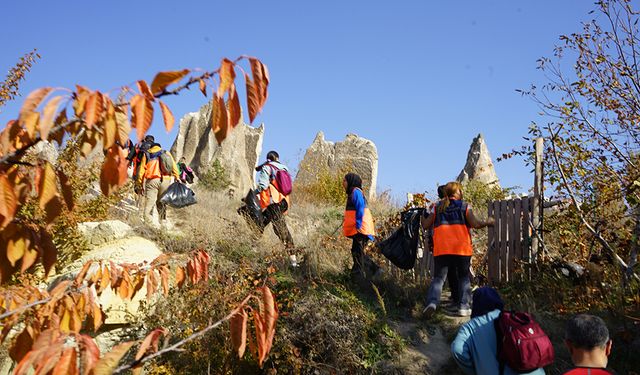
215	178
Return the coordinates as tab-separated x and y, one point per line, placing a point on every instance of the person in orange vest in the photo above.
452	220
358	225
273	203
152	182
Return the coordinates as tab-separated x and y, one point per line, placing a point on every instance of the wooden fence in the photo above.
510	239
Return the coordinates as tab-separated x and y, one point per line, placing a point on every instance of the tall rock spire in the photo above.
479	164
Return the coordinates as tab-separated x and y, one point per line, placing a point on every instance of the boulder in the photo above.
238	154
353	154
479	164
101	232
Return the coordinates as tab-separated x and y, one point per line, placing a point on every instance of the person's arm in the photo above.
358	202
477	223
141	169
264	178
461	351
427	221
175	169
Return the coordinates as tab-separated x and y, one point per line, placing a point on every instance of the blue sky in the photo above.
419	78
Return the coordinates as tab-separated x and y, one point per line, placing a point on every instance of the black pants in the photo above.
274	214
361	261
443	263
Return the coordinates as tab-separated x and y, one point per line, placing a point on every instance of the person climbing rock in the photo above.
358	225
274	187
452	219
156	168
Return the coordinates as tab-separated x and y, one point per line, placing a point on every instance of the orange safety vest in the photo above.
451	234
271	195
349	223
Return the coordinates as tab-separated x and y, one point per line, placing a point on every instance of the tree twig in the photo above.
23	308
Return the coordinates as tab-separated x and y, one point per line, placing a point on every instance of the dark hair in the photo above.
149	138
485	300
273	156
441	191
586	331
353	181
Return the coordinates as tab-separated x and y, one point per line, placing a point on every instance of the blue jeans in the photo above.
442	265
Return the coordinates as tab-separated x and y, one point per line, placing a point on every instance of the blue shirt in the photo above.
357	198
475	347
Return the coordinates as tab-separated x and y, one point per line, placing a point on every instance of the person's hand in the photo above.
490	222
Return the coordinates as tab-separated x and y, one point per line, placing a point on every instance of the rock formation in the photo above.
238	154
353	154
479	164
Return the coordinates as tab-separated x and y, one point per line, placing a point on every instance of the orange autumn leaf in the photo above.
164	79
141	115
8	202
203	87
109	362
238	327
219	119
180	277
253	98
167	116
235	112
227	76
114	170
32	102
48	116
145	90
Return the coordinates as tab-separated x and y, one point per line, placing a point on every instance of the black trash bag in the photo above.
178	195
252	212
402	246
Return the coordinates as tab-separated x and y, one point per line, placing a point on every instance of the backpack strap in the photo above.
498	342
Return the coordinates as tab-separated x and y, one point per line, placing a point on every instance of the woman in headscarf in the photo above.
358	224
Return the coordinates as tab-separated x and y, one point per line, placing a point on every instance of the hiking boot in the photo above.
464	312
429	310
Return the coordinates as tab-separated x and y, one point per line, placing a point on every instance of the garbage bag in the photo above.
401	246
251	211
178	195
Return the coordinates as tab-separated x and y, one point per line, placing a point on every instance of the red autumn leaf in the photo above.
114	170
269	314
219	119
164	280
8	202
141	115
108	363
238	326
227	76
261	337
47	116
83	272
32	102
167	116
235	112
67	363
150	342
109	126
164	79
123	124
260	78
253	98
22	344
152	283
145	90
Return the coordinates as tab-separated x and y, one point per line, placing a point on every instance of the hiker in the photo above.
273	202
475	347
186	173
135	154
358	225
452	219
452	275
587	338
154	177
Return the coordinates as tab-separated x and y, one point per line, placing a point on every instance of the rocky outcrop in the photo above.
479	164
238	154
353	154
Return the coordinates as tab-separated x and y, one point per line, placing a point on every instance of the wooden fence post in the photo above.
538	200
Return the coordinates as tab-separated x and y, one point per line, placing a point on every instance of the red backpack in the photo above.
283	180
522	344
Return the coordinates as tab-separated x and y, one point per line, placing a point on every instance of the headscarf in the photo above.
353	181
485	299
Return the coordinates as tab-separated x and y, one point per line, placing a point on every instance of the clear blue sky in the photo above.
419	78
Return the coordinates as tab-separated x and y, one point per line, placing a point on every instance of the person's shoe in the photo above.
464	312
429	310
293	261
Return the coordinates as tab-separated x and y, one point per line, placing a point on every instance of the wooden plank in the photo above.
490	246
494	256
526	235
537	197
504	238
512	239
517	230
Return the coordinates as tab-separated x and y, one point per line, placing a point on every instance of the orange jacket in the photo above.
349	227
451	234
150	169
271	195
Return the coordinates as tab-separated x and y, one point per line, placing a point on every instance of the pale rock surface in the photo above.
353	154
238	154
479	165
45	150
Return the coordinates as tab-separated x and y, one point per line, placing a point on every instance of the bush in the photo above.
327	188
215	178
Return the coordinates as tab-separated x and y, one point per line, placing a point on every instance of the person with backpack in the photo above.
358	225
273	189
587	338
452	220
154	177
137	152
476	348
